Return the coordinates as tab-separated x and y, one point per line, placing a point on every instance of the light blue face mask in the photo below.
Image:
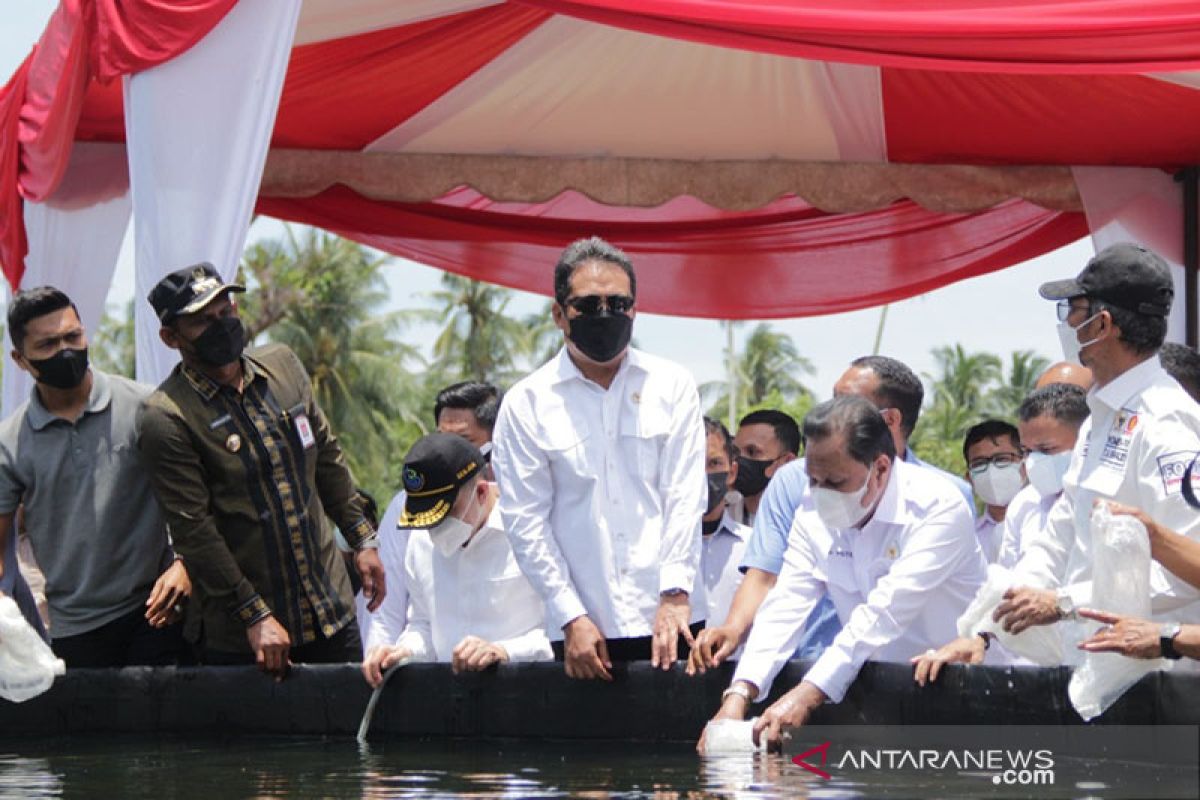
1045	471
1068	335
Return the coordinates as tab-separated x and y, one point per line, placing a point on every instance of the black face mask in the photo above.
752	476
63	370
718	486
221	343
601	337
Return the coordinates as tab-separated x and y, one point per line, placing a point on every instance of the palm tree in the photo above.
114	347
768	365
964	377
1024	368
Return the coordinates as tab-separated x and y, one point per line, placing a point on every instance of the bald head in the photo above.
1066	372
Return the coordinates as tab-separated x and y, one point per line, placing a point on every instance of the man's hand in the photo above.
171	589
670	623
1152	528
370	569
473	654
1024	607
270	642
734	707
1129	636
379	659
712	646
968	650
790	711
585	650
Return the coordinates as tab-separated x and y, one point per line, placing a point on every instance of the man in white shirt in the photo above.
724	537
766	440
1049	422
469	410
992	450
892	545
1143	432
471	605
601	456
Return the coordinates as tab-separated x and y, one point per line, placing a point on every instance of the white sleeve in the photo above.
937	546
781	618
1170	446
529	646
526	496
386	623
682	485
1045	550
418	633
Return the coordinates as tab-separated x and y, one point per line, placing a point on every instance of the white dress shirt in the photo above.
989	532
1026	515
603	489
898	584
721	554
1143	432
477	591
383	626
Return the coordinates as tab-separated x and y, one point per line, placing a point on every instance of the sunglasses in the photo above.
593	303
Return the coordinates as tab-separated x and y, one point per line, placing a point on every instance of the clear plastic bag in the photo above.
726	737
1041	644
1121	567
27	664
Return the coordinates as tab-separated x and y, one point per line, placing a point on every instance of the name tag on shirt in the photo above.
1116	442
304	430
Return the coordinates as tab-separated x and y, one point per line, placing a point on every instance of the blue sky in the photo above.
1000	312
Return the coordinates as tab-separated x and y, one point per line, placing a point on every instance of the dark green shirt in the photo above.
246	500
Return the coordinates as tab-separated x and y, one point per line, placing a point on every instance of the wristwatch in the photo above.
740	690
1166	640
1065	605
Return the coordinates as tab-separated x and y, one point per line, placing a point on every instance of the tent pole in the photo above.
1191	250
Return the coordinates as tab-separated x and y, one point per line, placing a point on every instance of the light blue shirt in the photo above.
786	493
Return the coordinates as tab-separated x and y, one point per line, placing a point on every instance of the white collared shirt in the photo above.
898	584
383	626
1143	432
1026	515
989	532
477	591
720	556
603	489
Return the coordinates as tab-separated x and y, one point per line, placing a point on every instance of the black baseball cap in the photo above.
1125	275
187	290
436	467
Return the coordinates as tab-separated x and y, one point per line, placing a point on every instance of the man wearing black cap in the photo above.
246	469
471	605
1142	433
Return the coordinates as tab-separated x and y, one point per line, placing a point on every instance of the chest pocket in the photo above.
839	572
565	439
642	439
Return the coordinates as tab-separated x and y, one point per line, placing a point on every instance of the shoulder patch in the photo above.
1171	468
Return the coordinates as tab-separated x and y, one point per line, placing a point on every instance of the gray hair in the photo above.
867	435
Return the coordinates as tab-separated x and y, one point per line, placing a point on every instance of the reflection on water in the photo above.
189	769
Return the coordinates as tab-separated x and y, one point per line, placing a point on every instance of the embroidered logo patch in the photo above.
413	480
1171	468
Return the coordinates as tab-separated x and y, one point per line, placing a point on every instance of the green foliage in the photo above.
767	371
114	348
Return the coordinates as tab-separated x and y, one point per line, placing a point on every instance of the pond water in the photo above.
182	769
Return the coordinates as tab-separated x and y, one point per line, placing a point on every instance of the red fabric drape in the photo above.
1016	36
85	40
691	258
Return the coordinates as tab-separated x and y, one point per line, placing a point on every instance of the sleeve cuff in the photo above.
564	607
755	561
361	535
1080	593
676	576
831	677
252	611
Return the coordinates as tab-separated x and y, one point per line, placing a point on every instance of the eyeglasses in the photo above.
593	303
1001	460
1065	308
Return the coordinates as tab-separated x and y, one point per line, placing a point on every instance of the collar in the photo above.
890	510
911	458
98	400
985	520
728	525
565	369
1113	395
207	388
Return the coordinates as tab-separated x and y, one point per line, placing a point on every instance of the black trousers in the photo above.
344	646
127	641
637	648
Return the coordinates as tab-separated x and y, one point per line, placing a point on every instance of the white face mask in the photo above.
841	510
1046	471
1071	346
998	485
452	533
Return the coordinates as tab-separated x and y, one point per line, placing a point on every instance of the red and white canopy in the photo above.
776	158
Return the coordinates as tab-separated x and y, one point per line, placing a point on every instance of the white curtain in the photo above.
1132	204
198	129
74	241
